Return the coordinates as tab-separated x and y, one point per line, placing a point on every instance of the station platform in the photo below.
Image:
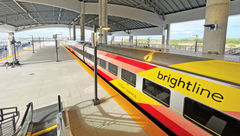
40	79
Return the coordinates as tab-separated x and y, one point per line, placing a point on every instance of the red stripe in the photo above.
128	61
163	119
233	113
104	75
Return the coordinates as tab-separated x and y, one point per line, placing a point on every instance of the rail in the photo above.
26	121
60	122
234	51
8	120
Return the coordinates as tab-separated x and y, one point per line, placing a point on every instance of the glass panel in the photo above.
129	77
113	69
210	118
157	92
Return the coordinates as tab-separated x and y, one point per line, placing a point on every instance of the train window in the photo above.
102	63
98	61
157	92
113	69
220	123
91	57
129	77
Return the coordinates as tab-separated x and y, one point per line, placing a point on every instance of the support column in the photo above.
82	21
168	35
217	12
70	33
148	42
131	40
82	27
103	18
74	31
163	38
112	39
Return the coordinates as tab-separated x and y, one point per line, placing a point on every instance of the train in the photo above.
189	95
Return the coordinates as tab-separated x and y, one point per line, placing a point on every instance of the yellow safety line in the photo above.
45	130
28	134
17	54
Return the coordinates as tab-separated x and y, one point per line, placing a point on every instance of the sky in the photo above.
178	30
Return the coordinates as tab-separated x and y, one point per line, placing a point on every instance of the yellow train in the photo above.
188	95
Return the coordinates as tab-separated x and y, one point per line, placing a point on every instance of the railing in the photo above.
8	120
26	121
235	51
61	131
187	48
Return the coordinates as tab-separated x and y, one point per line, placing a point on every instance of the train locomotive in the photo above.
189	95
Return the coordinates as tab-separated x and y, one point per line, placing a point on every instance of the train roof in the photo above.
221	70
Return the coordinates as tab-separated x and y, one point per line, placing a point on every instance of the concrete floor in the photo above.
40	79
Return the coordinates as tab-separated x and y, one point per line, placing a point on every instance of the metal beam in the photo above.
59	15
26	11
36	11
91	20
76	19
152	6
119	25
12	9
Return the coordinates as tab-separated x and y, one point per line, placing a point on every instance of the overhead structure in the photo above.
103	21
144	13
125	17
216	21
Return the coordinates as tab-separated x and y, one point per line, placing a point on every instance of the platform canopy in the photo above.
123	15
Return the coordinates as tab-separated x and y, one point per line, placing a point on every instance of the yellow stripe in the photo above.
28	134
224	70
150	128
45	130
17	54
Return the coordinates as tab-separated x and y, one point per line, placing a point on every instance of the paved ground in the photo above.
40	79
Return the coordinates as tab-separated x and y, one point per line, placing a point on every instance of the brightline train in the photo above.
189	95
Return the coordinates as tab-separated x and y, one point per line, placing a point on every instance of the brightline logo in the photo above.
189	86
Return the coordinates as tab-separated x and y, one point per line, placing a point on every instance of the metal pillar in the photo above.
148	42
168	35
33	45
163	36
70	33
131	40
103	21
82	21
82	29
56	46
196	42
112	39
136	41
39	42
13	48
96	101
216	20
74	31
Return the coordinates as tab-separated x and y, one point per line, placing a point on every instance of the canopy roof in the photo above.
23	14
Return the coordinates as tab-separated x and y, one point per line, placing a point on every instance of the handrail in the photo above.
24	126
8	115
15	113
30	105
60	121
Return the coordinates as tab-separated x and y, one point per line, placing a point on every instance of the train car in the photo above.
189	95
